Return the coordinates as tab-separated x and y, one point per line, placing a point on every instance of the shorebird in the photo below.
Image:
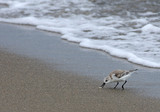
118	76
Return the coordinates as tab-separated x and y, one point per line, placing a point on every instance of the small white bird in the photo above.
118	76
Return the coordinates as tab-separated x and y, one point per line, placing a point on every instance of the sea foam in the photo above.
149	28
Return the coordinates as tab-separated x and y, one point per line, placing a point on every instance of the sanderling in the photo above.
118	76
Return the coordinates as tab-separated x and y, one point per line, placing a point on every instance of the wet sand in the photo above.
29	85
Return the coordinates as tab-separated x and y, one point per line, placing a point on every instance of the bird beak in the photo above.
102	85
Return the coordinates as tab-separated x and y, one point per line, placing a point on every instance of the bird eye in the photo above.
106	80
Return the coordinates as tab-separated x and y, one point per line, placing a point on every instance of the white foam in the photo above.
140	21
117	52
24	20
148	14
149	28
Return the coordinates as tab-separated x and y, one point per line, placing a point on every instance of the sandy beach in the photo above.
30	85
27	85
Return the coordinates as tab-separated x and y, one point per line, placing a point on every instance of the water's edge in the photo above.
71	57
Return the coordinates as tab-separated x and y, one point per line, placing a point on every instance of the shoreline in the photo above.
72	42
70	57
31	85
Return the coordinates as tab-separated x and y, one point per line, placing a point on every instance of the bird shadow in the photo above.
112	89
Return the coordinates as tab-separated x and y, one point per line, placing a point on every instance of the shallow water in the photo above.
127	29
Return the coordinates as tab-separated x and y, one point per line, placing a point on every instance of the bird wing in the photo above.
119	73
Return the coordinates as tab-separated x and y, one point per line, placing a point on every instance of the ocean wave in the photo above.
128	35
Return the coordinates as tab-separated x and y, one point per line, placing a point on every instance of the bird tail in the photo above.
133	70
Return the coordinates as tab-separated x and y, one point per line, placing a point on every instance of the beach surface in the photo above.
32	79
28	85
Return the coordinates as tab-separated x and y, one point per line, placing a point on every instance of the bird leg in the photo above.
116	85
124	84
